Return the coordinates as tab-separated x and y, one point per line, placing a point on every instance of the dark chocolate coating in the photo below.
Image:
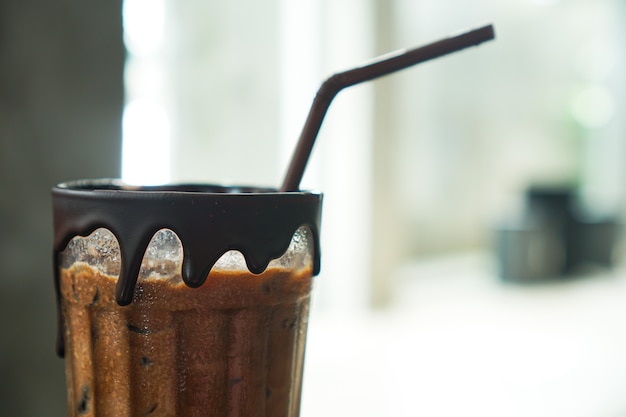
208	219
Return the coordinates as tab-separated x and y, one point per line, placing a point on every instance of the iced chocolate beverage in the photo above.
226	341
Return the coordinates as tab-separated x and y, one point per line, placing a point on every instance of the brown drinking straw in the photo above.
381	66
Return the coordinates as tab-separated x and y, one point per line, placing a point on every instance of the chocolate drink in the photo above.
231	344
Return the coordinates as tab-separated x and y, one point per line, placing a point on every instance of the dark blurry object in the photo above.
61	103
552	238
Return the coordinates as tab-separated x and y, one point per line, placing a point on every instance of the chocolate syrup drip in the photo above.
208	219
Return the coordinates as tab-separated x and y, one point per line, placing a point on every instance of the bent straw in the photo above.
381	66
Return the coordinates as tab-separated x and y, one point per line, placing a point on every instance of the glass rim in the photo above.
121	188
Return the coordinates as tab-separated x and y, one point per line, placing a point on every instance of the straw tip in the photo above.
486	32
490	32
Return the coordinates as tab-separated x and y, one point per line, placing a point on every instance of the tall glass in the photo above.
183	300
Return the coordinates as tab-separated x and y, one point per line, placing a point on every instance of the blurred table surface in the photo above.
459	342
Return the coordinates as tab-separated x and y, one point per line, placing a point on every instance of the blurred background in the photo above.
473	204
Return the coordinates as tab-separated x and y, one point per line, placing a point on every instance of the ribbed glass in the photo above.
232	347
